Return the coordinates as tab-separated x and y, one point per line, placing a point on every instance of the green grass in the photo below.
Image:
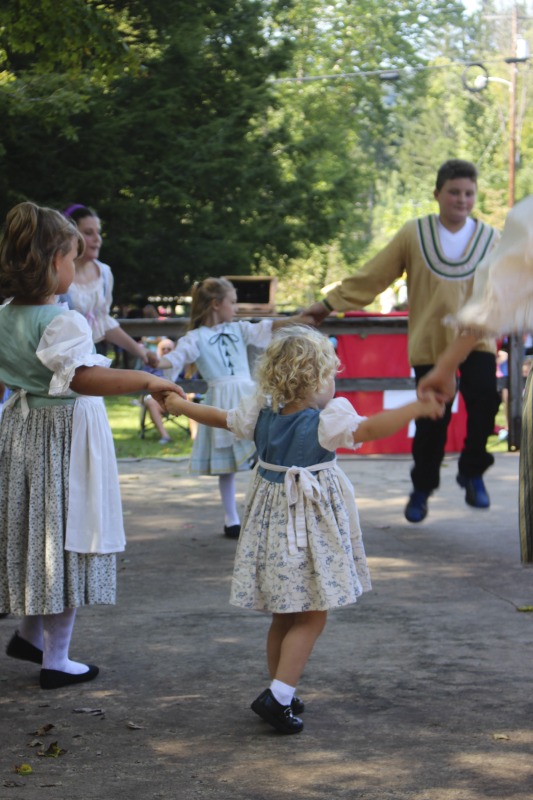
124	418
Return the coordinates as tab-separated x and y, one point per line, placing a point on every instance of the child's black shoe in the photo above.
25	651
280	717
297	705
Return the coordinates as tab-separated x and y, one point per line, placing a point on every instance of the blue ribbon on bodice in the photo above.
224	339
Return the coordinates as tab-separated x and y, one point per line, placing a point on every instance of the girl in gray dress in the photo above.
61	521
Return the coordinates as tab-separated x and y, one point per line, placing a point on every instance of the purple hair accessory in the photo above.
68	211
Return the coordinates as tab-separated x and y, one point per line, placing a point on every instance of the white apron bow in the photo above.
307	486
19	394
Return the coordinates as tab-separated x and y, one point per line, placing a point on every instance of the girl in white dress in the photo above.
301	550
91	291
218	347
61	521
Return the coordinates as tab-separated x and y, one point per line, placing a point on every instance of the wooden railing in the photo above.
362	326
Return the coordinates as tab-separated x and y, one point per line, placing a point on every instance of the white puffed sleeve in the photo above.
66	344
257	334
185	352
243	419
336	425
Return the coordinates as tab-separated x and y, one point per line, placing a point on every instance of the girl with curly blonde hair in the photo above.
301	550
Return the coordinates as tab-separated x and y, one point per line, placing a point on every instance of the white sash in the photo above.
307	486
19	394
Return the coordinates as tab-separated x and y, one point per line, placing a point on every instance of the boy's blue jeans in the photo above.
478	387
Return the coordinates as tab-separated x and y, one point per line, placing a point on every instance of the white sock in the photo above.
31	630
282	692
57	636
226	484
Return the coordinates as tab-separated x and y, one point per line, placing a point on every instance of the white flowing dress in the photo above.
221	357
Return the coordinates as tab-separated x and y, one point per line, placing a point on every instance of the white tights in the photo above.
52	633
226	484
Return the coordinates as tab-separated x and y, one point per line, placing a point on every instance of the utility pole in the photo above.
516	341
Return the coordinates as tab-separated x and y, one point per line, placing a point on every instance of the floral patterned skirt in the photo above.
37	574
330	572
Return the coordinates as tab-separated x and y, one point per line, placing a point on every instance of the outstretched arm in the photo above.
317	313
303	318
388	422
104	382
120	338
206	415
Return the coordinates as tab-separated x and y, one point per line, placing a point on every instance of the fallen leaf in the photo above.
132	726
35	743
500	736
53	751
96	712
525	608
42	731
23	769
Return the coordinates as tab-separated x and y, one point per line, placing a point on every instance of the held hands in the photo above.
315	314
160	389
152	359
148	357
170	403
431	405
440	381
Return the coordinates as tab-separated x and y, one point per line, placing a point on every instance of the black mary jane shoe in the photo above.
232	531
23	650
297	705
280	717
55	679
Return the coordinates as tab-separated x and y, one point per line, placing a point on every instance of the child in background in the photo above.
61	521
301	551
217	345
164	346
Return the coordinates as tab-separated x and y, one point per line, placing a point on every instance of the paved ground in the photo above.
420	692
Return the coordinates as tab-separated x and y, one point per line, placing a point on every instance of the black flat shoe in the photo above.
280	717
55	679
232	531
20	648
297	705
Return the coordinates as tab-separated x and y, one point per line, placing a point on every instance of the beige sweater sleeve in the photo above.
373	278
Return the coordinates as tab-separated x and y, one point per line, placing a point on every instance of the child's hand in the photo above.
156	386
438	380
315	313
171	403
152	359
430	405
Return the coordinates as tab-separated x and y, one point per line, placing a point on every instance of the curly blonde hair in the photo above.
203	294
298	363
32	238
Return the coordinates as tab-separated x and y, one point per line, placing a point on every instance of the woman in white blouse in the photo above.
91	292
501	302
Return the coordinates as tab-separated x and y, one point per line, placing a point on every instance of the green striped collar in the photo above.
453	269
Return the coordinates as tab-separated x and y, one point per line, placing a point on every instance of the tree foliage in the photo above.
233	136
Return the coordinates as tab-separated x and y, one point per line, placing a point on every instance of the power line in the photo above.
391	74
